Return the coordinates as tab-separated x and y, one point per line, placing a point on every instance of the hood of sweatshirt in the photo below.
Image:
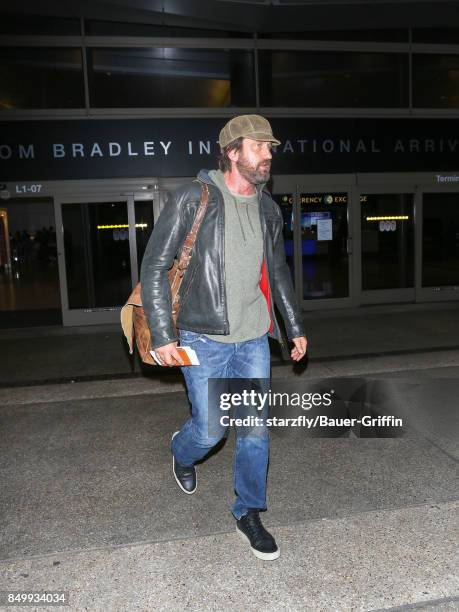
241	202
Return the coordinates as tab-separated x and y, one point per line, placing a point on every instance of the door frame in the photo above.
97	316
382	296
295	185
416	183
321	303
440	293
157	188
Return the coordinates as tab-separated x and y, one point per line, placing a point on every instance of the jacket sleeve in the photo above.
283	291
166	239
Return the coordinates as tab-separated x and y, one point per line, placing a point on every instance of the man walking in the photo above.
236	273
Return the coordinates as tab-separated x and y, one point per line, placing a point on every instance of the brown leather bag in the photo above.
133	319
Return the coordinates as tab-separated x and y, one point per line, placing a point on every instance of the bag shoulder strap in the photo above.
187	247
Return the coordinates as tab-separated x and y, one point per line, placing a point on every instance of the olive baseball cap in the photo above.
255	127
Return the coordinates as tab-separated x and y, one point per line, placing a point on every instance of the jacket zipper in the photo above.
222	275
223	286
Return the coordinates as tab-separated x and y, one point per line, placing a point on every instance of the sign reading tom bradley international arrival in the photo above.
93	148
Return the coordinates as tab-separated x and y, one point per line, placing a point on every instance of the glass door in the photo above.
100	244
324	246
439	238
29	276
386	267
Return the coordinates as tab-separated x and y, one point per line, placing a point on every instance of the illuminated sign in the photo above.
122	226
288	198
387	226
42	150
389	218
447	179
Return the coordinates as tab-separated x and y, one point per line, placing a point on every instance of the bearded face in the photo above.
254	161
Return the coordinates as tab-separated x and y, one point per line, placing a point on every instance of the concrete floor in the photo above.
89	504
53	354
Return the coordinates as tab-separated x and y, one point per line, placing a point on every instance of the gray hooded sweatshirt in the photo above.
248	314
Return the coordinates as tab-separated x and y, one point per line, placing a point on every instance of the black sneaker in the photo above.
185	476
262	543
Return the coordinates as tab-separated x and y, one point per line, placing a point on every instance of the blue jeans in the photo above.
249	359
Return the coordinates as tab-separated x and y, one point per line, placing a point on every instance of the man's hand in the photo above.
299	350
168	354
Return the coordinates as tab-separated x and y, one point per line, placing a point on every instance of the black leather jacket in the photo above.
202	293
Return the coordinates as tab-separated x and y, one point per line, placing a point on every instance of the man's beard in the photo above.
255	175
